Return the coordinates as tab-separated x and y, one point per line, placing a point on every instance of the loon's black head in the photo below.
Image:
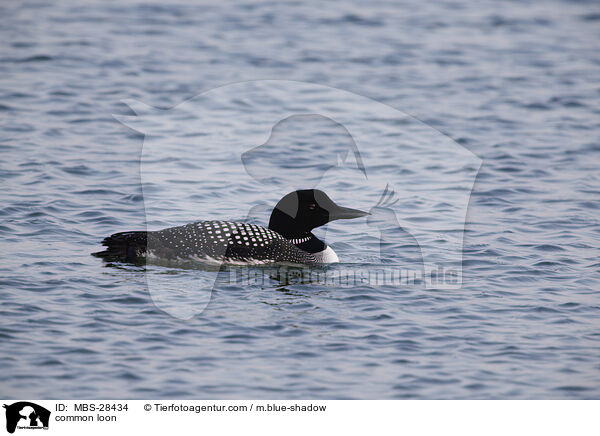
299	212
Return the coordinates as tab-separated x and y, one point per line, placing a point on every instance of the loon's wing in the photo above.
222	241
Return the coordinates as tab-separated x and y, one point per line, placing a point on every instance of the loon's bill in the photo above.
288	238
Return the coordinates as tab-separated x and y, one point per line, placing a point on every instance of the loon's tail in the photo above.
124	247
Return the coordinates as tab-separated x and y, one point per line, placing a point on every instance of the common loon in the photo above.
289	237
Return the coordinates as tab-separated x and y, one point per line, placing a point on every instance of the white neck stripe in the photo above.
300	240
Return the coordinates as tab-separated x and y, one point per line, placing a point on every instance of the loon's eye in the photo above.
312	206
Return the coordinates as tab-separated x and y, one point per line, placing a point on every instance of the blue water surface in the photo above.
517	83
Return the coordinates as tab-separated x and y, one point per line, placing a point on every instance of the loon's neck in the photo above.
313	245
289	228
310	243
286	226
